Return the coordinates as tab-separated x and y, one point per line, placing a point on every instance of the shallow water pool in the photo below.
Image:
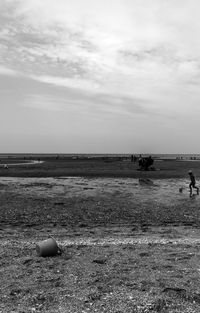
160	191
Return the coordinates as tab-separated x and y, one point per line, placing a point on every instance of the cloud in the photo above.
100	42
129	58
74	83
7	71
43	102
78	101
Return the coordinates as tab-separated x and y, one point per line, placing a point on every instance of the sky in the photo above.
99	76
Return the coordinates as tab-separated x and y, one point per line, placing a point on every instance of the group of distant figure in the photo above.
145	163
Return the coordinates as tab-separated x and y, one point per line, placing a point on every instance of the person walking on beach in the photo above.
192	183
132	158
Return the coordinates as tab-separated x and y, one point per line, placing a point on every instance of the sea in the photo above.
100	155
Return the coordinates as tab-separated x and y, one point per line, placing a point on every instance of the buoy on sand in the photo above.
48	247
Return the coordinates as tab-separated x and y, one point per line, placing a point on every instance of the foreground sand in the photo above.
123	250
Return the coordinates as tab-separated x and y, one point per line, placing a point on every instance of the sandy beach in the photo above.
127	246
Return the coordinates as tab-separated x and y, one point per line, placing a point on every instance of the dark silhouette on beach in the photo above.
192	183
145	163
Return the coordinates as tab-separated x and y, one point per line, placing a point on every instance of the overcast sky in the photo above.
100	76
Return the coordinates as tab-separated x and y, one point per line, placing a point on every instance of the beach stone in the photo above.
100	261
145	181
27	260
83	224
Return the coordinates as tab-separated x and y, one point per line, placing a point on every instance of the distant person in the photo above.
192	183
140	161
131	158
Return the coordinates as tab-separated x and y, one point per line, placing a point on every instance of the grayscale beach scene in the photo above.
99	156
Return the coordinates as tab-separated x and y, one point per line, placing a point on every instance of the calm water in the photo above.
37	155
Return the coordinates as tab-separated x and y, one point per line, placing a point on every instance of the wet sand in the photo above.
160	191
